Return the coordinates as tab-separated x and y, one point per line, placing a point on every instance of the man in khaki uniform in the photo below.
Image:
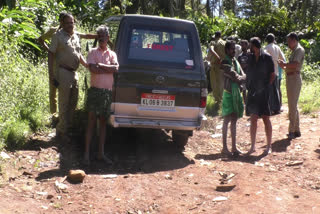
216	75
293	82
65	48
53	84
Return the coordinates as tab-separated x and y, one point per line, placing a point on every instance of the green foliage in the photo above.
311	72
207	26
311	43
309	97
309	100
212	108
35	118
90	12
276	22
16	134
303	13
17	24
24	92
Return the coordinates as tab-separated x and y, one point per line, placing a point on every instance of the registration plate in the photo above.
157	100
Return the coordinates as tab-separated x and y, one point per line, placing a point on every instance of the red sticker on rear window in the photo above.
160	47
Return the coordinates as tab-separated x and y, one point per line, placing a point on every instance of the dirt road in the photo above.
151	176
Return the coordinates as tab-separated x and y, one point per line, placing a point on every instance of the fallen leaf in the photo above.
42	193
204	163
44	207
259	164
294	163
4	155
219	127
50	197
258	193
225	188
60	186
109	176
220	198
216	135
193	208
168	177
26	173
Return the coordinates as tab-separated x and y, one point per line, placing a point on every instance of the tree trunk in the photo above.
119	4
182	8
182	5
11	4
192	5
171	8
143	7
208	11
133	9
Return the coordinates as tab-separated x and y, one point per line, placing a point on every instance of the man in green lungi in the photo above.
232	102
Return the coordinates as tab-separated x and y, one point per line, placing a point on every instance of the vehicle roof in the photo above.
145	19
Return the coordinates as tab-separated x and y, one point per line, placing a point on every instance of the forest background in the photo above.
24	102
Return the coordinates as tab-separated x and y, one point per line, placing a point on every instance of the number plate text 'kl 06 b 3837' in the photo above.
157	100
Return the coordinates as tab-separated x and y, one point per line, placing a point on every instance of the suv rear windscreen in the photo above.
161	46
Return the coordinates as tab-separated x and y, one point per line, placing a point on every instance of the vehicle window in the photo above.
161	46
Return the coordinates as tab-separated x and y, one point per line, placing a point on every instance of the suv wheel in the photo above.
180	138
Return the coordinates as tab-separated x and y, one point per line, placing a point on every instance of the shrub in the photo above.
212	108
16	133
311	72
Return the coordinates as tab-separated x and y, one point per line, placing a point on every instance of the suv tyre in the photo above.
180	138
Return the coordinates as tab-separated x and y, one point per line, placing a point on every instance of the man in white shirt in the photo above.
275	51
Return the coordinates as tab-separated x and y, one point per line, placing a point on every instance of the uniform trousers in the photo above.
68	98
293	84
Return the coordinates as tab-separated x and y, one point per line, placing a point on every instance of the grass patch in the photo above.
24	90
212	108
16	134
309	100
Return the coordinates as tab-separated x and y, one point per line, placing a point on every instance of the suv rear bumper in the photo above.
142	122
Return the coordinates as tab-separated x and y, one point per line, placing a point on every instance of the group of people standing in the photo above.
242	80
64	58
257	73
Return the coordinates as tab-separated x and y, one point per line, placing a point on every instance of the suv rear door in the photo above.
161	71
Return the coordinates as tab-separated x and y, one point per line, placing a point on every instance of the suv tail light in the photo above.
203	99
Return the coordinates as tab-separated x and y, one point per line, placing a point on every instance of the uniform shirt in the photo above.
67	49
276	53
48	35
297	55
97	55
219	48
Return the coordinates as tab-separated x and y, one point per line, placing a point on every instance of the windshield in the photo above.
161	46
